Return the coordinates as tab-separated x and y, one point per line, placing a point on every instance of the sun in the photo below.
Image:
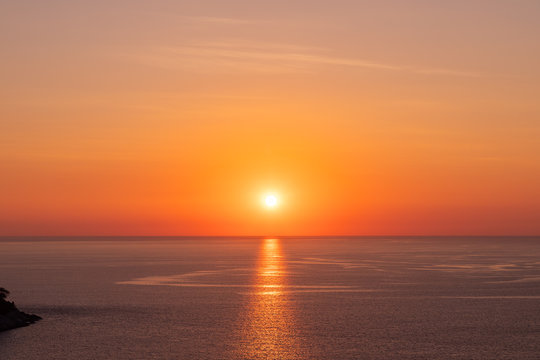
271	201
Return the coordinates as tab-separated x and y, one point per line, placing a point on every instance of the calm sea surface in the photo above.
288	298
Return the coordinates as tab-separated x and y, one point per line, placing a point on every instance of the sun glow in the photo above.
271	201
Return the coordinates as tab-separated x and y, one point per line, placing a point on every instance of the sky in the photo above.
175	117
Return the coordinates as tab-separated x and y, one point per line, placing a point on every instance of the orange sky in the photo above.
173	117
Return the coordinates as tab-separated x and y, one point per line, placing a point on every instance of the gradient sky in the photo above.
173	117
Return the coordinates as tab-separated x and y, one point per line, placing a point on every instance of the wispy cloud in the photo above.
269	57
220	20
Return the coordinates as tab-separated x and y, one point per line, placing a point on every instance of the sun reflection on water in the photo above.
268	329
270	268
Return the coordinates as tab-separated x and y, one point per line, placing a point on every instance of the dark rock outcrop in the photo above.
10	316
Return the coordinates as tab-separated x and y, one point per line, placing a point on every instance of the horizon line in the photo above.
271	236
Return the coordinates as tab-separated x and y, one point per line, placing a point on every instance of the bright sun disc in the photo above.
270	201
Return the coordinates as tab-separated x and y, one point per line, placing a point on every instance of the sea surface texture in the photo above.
264	298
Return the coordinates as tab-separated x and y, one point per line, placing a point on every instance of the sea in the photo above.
273	298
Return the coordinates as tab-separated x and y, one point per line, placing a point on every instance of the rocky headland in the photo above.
10	316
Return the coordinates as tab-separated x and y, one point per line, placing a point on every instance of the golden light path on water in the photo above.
269	327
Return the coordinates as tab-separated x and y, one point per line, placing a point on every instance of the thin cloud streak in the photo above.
221	20
269	58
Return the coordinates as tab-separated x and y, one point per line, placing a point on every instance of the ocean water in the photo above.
286	298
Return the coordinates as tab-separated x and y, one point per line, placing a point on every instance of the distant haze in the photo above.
173	117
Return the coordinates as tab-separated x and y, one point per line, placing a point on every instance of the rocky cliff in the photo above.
10	316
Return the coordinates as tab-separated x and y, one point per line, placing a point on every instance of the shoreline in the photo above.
16	319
